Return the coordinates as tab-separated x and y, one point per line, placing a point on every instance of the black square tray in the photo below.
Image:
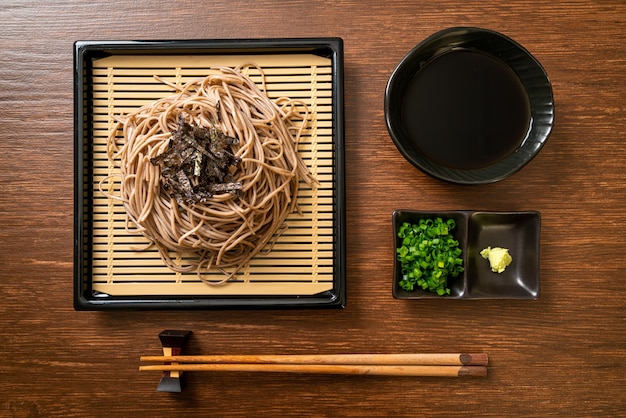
102	282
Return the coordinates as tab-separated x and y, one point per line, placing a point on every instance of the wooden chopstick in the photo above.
374	370
430	359
425	364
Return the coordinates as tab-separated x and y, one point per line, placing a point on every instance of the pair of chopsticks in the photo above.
426	364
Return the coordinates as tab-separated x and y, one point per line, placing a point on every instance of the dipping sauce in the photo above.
466	110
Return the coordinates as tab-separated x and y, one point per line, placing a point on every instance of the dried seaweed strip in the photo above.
197	163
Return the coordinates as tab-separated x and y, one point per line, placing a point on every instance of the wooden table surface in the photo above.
562	355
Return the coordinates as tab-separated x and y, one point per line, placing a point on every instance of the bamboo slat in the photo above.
302	258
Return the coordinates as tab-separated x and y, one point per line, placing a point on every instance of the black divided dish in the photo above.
475	230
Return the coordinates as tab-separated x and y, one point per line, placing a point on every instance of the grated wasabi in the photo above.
499	258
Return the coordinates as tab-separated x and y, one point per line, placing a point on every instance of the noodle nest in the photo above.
226	230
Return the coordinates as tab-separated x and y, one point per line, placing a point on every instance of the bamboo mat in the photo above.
301	261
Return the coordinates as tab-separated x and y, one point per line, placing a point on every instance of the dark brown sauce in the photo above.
466	110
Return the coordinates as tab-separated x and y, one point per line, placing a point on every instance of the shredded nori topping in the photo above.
197	163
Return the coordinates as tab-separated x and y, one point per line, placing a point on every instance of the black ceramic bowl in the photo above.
469	106
519	232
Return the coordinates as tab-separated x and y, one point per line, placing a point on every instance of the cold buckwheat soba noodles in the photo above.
256	173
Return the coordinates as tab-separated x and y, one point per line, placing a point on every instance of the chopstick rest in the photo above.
173	342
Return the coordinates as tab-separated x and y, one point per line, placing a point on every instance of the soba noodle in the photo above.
228	229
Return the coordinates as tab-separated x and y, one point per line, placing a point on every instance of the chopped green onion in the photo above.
429	255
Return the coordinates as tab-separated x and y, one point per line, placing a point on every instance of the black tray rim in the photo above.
84	298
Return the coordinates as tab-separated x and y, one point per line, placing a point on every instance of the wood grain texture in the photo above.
562	355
